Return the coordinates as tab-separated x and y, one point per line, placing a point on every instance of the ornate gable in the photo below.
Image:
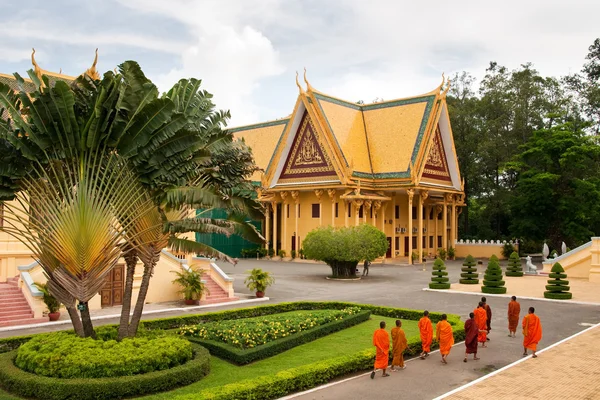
436	166
307	159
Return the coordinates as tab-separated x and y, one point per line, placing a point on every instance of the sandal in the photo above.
465	360
477	358
373	375
534	356
384	375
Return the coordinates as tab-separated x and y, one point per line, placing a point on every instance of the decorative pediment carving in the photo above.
436	166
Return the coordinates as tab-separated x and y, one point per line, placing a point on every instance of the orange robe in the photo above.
426	330
532	331
381	340
480	320
443	334
514	310
399	344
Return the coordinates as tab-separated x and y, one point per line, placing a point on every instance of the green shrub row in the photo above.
249	333
25	384
67	356
240	357
306	376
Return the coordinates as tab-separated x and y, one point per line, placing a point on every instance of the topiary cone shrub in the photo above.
439	278
514	265
492	280
557	287
469	275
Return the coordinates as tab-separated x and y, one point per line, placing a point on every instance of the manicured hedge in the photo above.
25	384
12	343
469	275
439	278
68	356
557	287
240	357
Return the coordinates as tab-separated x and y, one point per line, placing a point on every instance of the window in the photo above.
397	212
424	241
424	213
414	213
431	213
316	211
336	209
431	242
397	242
439	241
349	209
414	242
360	212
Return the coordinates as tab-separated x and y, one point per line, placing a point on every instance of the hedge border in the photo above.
241	357
558	295
493	290
25	384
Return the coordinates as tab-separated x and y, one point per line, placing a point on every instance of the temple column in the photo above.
275	227
284	221
453	229
376	206
331	193
394	249
357	204
267	225
427	229
410	193
445	226
422	198
366	210
296	197
383	210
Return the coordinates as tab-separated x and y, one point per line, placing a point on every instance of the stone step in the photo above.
8	289
24	321
214	301
18	316
13	302
7	312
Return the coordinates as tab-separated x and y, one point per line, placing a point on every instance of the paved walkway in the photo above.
567	371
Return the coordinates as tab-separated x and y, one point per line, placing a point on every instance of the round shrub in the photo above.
469	275
439	280
557	287
514	267
492	280
65	355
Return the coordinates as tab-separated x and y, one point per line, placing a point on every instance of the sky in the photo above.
247	52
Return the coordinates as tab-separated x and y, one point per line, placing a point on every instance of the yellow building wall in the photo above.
479	250
583	262
13	253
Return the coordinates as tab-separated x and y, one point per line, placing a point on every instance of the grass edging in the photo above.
25	384
241	356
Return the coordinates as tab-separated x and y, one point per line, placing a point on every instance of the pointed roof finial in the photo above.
92	72
308	87
298	84
447	87
36	68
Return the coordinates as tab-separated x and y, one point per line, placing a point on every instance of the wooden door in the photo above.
388	253
405	246
112	291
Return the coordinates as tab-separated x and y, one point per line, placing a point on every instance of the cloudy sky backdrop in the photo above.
247	51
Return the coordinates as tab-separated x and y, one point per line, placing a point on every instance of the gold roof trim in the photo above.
298	84
92	72
308	86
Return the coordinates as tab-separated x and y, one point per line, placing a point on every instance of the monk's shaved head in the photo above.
483	299
481	304
398	322
531	310
382	324
426	313
471	315
514	298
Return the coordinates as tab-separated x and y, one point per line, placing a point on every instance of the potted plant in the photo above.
51	302
191	284
259	281
451	253
281	253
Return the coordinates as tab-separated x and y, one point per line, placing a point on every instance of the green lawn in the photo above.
348	341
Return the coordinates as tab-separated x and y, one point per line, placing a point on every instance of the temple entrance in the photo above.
111	293
388	253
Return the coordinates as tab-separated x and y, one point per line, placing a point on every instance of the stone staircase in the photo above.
217	294
14	309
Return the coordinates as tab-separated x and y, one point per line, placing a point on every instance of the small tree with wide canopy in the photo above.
343	248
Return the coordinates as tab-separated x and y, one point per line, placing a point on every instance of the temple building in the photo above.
391	164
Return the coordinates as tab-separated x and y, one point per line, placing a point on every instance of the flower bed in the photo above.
65	355
252	332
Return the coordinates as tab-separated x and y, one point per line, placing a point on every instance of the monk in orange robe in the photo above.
488	311
480	320
514	310
532	332
381	340
443	334
399	344
426	331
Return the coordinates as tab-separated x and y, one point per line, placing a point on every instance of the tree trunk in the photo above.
131	261
86	320
76	321
141	299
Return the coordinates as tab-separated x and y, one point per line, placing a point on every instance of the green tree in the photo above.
439	275
557	196
492	280
557	287
342	248
514	267
469	271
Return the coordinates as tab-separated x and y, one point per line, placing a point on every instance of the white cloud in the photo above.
12	54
